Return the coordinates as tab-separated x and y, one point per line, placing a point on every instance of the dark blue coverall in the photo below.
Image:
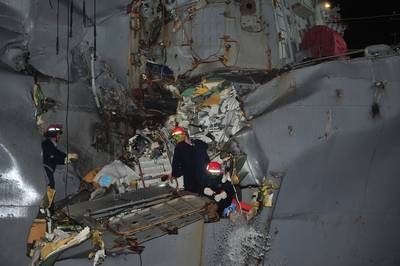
214	182
51	158
191	162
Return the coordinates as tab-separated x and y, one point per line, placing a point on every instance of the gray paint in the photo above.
340	199
22	182
337	204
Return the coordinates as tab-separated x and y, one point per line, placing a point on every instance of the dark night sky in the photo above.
361	33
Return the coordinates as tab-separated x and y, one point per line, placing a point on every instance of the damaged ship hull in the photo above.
319	126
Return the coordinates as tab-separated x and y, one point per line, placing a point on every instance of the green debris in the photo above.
188	92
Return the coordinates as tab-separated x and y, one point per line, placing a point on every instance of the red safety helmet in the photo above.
179	134
214	168
178	131
53	130
57	128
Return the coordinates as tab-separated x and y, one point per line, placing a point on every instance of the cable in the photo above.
84	12
67	111
140	258
216	54
315	60
363	18
195	54
58	28
94	30
71	16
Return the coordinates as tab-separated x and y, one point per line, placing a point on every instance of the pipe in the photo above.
141	173
93	74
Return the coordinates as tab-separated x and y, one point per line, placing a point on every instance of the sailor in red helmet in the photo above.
52	156
190	160
217	187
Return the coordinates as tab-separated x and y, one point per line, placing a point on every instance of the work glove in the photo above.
208	191
220	196
226	177
70	157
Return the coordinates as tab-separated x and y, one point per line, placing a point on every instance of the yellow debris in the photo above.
212	100
38	230
97	239
269	184
89	177
50	247
200	91
133	183
235	179
267	200
268	192
50	195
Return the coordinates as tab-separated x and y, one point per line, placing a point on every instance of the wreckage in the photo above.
306	130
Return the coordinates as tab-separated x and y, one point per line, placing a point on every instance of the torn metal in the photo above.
116	223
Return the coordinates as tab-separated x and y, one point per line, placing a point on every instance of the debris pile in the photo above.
150	153
210	110
47	249
115	174
115	200
239	243
244	243
116	223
